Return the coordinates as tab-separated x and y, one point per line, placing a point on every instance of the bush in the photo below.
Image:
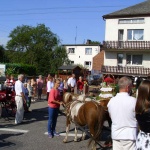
16	69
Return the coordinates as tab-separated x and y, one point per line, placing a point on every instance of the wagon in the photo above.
7	101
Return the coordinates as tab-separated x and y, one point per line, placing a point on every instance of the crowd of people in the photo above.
130	115
29	90
130	129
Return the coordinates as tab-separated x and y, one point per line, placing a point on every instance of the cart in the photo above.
7	101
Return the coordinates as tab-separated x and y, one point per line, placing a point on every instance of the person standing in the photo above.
61	87
30	90
71	83
80	85
34	88
54	102
19	99
26	93
7	82
12	82
50	85
47	78
109	80
142	110
39	86
121	109
66	84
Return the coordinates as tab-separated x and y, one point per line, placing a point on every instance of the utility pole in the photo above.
76	36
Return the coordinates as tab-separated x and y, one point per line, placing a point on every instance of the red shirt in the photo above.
108	80
80	85
54	95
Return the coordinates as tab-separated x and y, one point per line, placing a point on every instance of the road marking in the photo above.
64	134
14	130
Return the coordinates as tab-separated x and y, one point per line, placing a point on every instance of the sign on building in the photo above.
2	70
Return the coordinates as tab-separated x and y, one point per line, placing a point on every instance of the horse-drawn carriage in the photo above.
7	100
92	113
85	111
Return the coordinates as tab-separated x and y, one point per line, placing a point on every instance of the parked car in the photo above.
94	79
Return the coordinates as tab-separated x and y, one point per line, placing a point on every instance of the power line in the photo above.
62	8
62	18
50	13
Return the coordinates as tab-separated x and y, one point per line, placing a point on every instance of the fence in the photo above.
140	71
126	44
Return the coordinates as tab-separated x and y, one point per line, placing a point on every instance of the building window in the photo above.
134	59
71	50
71	62
88	51
120	59
131	21
135	34
87	64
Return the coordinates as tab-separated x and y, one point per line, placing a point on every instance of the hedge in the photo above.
16	69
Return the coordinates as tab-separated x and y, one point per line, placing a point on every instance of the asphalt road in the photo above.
32	134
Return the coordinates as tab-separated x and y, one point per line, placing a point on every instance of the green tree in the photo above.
60	57
2	54
95	42
14	56
37	46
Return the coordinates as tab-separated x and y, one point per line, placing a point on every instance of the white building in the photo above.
82	53
127	48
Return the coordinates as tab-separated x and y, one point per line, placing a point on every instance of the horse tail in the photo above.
101	116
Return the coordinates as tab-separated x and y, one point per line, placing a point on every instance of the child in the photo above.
26	93
30	91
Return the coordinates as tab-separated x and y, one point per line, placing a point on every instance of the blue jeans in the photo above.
52	120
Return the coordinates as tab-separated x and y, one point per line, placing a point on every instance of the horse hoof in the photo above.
80	139
64	141
75	140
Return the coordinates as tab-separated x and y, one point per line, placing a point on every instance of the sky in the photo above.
73	21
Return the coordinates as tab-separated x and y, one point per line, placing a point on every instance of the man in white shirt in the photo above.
71	83
122	112
19	99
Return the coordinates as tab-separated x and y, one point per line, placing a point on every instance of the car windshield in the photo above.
97	76
91	77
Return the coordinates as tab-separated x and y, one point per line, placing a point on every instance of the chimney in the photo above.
88	42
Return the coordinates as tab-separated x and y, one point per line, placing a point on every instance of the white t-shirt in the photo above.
122	112
50	85
19	87
72	82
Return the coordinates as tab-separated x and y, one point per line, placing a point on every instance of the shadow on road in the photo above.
4	142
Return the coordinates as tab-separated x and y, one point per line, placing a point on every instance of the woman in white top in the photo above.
30	90
50	85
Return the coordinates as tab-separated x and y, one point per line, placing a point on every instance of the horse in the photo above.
84	113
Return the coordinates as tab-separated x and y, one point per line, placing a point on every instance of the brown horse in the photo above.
89	114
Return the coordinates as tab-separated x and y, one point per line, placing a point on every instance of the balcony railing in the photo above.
126	44
137	71
87	66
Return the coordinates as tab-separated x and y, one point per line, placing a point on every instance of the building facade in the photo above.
127	48
82	53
